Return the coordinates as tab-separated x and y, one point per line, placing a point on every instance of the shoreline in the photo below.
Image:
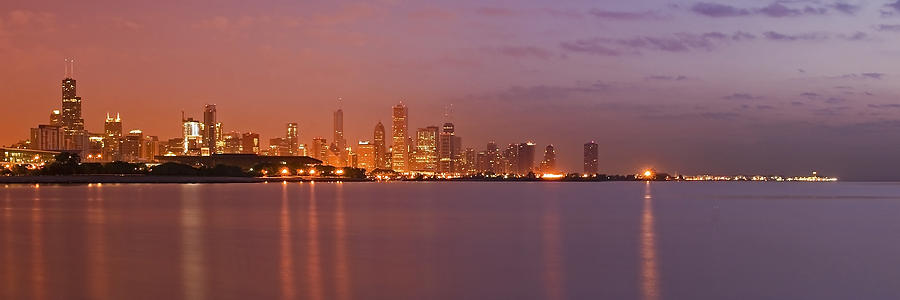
143	179
150	179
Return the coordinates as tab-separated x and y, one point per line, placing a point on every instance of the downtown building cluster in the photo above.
431	150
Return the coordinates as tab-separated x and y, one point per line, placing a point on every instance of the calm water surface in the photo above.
627	240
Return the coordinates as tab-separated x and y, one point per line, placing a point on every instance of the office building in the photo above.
591	158
400	137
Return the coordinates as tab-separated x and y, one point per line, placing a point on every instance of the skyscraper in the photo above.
400	136
112	138
366	156
70	115
293	139
192	136
381	159
548	164
250	143
209	129
320	149
526	158
339	140
426	155
131	146
591	158
445	149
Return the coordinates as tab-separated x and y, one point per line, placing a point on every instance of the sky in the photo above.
721	87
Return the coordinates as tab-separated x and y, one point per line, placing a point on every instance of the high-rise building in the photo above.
381	159
548	164
112	138
279	147
400	137
192	137
302	150
339	142
591	158
131	146
444	145
366	156
470	161
526	158
150	148
426	154
209	129
449	150
174	146
250	143
71	120
47	137
519	158
293	139
320	149
232	143
494	159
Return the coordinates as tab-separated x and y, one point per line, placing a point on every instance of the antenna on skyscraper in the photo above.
340	103
448	113
73	68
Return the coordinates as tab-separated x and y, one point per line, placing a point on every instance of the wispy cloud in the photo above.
667	77
888	27
624	15
742	96
523	52
679	42
777	9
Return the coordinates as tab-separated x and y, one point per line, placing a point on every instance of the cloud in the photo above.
868	75
894	6
846	8
813	36
496	12
777	9
741	96
624	15
883	106
888	27
524	52
667	77
719	10
679	42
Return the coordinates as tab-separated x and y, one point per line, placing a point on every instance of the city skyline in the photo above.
668	95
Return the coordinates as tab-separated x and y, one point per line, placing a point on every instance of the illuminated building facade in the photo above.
150	148
366	156
548	164
320	149
112	138
591	158
192	137
231	143
70	117
250	143
381	159
210	128
448	149
47	137
293	139
400	137
131	146
425	157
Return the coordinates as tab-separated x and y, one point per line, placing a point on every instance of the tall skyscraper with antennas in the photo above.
70	115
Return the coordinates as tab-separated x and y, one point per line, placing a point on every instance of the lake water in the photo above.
466	240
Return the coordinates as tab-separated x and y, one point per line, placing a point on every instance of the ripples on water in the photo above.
343	241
